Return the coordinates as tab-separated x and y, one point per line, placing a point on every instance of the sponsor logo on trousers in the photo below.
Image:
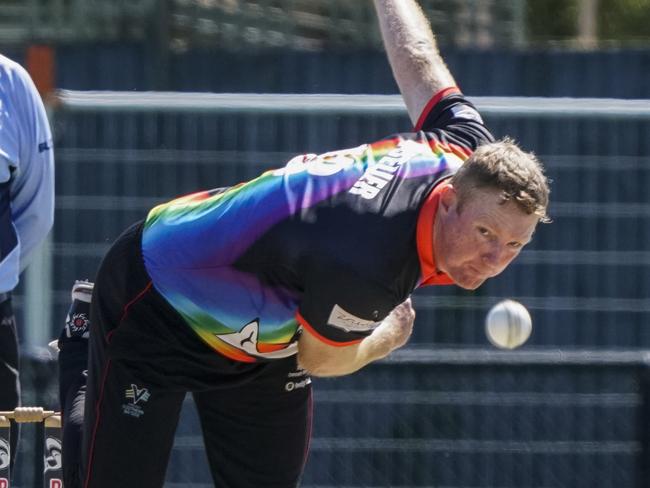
136	395
293	385
56	484
4	483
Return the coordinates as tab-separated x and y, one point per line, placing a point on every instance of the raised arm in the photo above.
413	53
322	359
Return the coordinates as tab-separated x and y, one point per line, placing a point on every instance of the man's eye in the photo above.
484	231
515	245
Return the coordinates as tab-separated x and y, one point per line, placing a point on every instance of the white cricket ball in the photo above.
508	324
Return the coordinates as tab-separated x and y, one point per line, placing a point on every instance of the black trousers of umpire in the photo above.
143	359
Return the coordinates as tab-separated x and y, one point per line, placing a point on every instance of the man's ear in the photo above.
448	198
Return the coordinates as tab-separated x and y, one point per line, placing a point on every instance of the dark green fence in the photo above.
471	418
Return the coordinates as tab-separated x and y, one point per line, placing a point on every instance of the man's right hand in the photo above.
398	325
322	359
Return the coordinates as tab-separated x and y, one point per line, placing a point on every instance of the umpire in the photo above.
26	206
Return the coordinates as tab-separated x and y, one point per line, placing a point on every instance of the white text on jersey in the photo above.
379	175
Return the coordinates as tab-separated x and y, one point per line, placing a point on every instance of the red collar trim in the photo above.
424	236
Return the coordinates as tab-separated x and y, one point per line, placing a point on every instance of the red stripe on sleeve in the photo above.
432	103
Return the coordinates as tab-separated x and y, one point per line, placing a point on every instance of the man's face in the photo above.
479	240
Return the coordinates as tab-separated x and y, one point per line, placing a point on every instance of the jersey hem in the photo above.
301	320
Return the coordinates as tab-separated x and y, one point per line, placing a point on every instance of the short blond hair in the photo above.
502	165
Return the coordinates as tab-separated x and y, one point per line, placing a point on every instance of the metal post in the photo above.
588	23
38	296
519	23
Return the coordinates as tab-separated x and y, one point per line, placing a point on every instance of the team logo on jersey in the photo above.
247	340
349	323
4	454
53	454
136	395
44	146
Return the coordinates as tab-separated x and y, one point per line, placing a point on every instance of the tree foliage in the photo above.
618	20
624	20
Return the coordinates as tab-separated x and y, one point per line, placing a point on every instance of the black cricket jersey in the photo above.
330	242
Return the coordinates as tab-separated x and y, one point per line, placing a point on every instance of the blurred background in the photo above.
571	408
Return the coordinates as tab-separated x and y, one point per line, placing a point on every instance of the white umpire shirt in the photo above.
27	162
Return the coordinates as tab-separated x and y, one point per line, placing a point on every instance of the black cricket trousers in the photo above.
143	359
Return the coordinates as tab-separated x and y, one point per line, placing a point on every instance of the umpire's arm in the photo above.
413	53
